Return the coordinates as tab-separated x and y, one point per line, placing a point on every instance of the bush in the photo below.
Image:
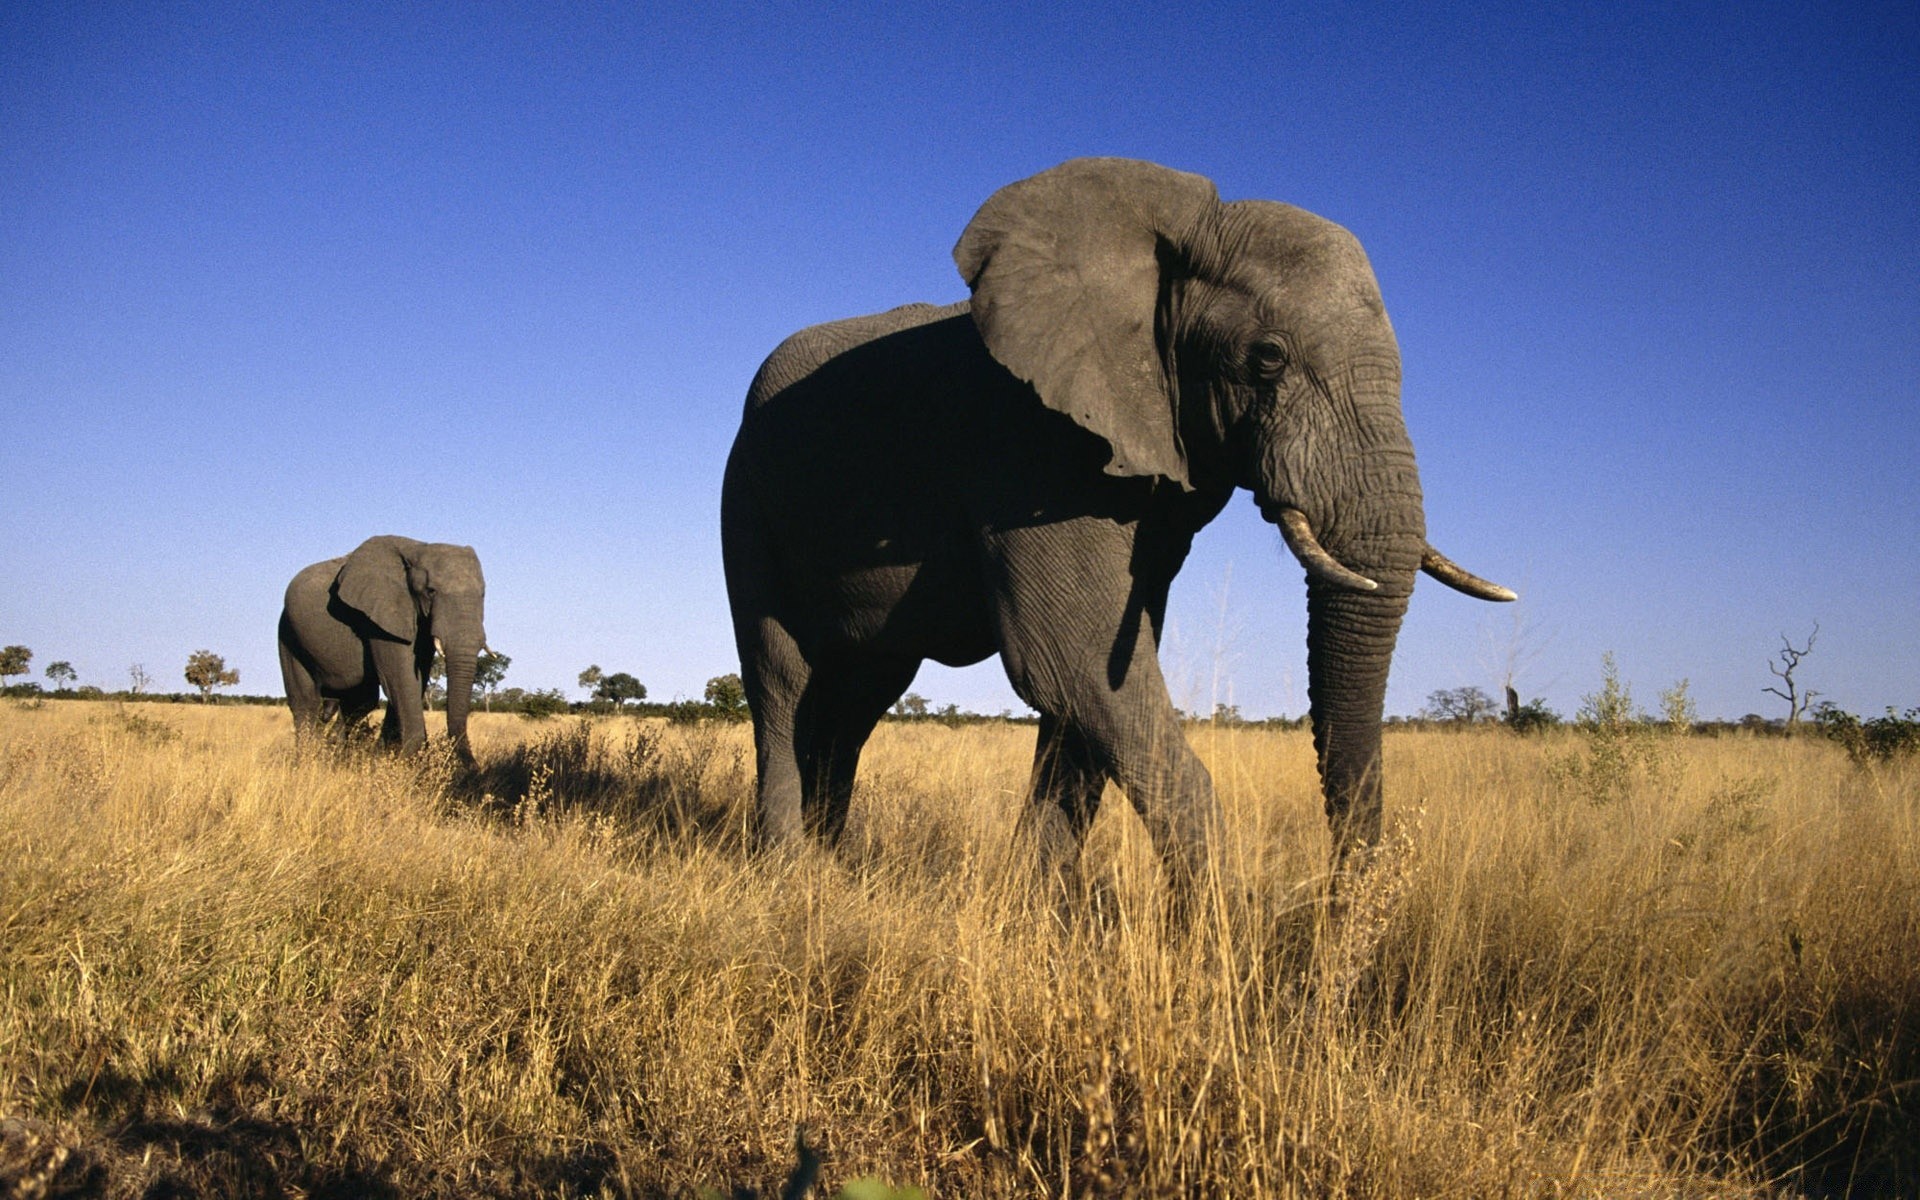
1624	752
542	703
1532	717
685	712
1881	739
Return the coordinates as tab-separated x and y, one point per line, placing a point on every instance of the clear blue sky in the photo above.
274	278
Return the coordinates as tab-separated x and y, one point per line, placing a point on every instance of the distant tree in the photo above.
1797	697
13	661
488	671
590	679
913	704
61	674
1227	714
620	687
728	695
207	671
137	678
1462	704
1531	717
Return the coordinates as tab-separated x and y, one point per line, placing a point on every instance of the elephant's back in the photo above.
334	654
307	598
314	581
805	352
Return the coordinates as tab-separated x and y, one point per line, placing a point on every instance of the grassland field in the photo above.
1672	967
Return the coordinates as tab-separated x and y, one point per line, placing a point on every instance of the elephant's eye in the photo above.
1268	361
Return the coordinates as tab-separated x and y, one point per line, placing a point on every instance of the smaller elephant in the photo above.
370	621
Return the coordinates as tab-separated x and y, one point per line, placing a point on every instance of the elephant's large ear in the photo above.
1065	269
373	580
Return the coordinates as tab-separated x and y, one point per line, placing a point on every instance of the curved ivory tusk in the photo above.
1454	576
1314	557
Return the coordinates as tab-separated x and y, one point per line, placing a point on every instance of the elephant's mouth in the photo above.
1324	568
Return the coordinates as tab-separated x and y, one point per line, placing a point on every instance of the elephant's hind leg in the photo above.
352	708
1063	798
776	675
842	705
303	693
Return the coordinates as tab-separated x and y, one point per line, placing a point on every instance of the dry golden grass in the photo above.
234	969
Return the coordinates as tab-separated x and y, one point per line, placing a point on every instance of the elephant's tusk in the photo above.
1454	576
1314	557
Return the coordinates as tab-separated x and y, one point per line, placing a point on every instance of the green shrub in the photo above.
1624	749
1881	739
1532	717
542	703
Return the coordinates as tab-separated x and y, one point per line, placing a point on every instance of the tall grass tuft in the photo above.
231	967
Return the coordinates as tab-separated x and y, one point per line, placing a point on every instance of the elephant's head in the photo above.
1213	345
423	593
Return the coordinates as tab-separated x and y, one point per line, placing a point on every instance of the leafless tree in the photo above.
1798	699
1505	654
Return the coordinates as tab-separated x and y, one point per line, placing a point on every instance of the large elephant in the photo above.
370	621
1024	474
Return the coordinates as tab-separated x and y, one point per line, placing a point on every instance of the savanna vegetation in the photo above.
1595	961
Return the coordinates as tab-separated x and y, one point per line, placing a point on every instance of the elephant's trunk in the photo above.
1352	625
460	657
1350	641
1361	536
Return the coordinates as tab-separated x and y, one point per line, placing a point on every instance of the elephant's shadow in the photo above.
229	1145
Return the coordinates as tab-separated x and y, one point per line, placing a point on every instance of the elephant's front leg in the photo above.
394	663
1079	645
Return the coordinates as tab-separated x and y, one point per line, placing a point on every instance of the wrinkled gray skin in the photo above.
1023	475
354	626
